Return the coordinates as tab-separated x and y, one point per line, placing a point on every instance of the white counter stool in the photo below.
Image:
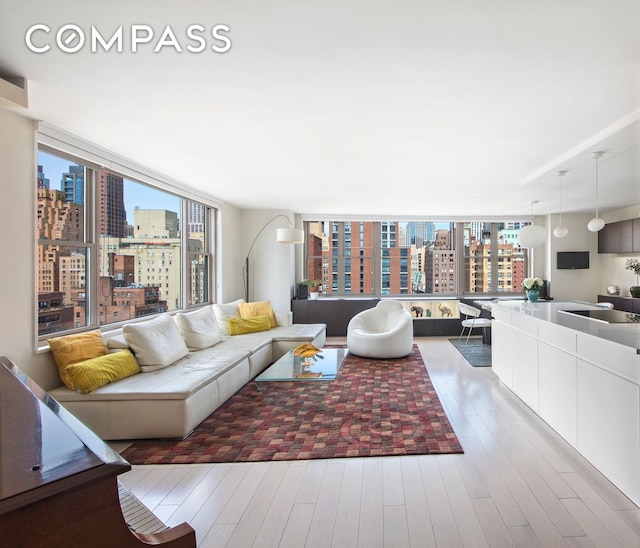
471	319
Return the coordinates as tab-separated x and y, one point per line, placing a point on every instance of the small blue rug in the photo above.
475	352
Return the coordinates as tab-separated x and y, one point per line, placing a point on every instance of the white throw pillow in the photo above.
199	328
226	311
156	343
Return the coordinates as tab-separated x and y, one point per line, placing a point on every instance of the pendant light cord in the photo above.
597	163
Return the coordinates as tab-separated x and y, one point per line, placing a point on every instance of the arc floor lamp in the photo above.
288	235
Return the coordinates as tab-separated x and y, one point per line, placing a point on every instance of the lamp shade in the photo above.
290	236
596	224
532	236
560	231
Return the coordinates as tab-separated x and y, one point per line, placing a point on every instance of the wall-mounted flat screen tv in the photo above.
572	260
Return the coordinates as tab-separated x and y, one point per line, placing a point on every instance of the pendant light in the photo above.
596	223
532	235
560	231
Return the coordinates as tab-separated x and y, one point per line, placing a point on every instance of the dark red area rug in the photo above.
373	408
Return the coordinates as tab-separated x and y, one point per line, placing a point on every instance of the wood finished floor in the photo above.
517	484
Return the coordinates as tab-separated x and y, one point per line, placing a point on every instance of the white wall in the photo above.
228	280
581	285
17	233
272	265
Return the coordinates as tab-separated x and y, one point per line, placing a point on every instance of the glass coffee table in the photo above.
321	367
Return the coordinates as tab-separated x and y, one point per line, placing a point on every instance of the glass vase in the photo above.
533	295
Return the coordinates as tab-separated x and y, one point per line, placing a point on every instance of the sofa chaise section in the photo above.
171	402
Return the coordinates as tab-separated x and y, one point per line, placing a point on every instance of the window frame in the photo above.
457	225
77	151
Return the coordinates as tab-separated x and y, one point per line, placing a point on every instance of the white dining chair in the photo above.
471	319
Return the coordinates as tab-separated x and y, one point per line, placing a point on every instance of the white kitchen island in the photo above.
580	375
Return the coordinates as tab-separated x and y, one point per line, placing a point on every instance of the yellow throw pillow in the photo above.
88	375
258	308
76	348
240	326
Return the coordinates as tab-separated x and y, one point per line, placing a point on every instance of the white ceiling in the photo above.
356	106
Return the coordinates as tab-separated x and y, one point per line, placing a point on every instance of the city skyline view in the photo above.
135	194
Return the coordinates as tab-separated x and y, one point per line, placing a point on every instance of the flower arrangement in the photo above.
633	264
532	283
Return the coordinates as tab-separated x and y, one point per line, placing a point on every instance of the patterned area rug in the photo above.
475	352
373	408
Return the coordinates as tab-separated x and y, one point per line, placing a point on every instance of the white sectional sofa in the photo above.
170	402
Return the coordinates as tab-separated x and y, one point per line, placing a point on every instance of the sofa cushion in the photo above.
258	308
242	326
199	328
174	382
224	312
72	349
88	375
156	343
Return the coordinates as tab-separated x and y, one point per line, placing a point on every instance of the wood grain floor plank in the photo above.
346	528
297	528
541	524
517	484
199	496
312	482
246	531
324	515
495	530
250	479
500	493
371	506
436	493
392	486
417	508
598	534
611	519
211	509
396	531
469	528
279	513
187	484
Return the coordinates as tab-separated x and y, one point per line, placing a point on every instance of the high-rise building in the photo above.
155	224
73	184
196	217
440	270
112	218
72	270
510	272
419	233
43	182
58	219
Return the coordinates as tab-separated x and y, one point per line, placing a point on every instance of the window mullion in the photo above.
92	283
341	258
376	259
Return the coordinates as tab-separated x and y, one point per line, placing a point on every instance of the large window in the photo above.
112	249
415	257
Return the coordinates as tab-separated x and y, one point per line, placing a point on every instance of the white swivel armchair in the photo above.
385	331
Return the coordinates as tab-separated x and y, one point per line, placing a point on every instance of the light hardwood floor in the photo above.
517	484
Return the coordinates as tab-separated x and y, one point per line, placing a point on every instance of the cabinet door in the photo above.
524	362
635	238
557	402
608	426
501	352
615	237
330	312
